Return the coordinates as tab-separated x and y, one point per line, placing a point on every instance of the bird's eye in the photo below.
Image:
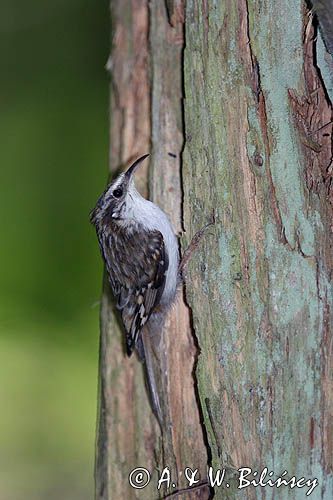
117	193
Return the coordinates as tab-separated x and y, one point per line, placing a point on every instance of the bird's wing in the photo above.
136	264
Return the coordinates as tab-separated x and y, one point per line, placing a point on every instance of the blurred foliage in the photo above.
54	142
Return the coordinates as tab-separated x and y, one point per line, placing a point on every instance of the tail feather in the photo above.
145	353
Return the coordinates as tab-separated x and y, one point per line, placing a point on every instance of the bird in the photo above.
141	254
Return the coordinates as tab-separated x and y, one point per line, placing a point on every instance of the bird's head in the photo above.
118	198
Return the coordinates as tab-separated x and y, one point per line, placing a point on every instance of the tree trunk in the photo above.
247	381
146	115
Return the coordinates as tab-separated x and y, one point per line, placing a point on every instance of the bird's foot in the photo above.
192	247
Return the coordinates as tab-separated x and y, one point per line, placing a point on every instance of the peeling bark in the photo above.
256	112
146	116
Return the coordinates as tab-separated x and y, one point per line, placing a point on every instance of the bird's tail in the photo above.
146	353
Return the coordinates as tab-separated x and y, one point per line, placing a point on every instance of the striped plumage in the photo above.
140	252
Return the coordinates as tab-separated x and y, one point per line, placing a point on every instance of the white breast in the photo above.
153	218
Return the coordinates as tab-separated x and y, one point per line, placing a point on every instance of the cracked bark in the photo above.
252	384
259	152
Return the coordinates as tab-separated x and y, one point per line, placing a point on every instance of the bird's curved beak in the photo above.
134	166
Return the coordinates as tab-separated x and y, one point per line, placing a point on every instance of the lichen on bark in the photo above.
259	289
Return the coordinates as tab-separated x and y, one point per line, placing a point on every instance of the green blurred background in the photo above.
54	150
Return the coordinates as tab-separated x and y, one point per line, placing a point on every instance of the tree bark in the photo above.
146	115
246	379
257	119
